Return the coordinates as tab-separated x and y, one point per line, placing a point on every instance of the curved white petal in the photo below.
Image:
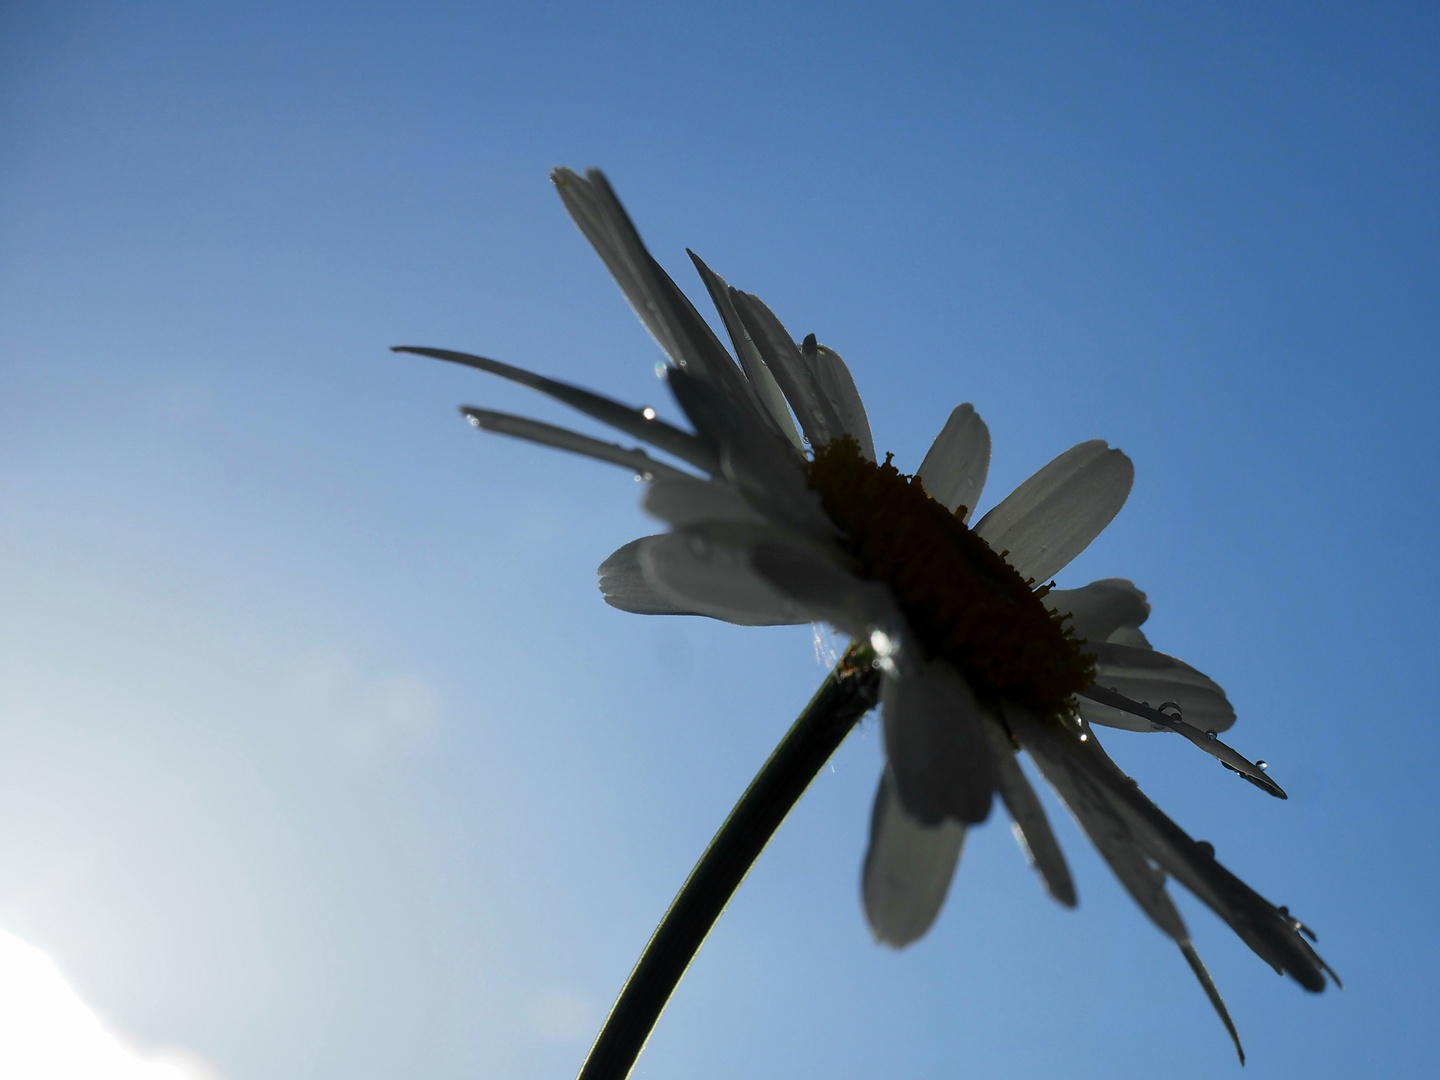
1142	845
640	423
808	401
663	309
522	427
954	470
625	586
839	388
1148	676
767	391
686	500
752	457
1031	825
938	750
818	584
1053	516
1130	635
908	868
1095	713
706	568
1101	608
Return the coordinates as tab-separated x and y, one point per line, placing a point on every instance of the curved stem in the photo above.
847	694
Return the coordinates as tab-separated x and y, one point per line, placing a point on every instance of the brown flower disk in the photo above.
963	600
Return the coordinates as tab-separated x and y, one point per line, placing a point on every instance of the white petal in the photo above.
1053	516
1133	836
942	759
521	427
954	470
663	309
839	389
908	867
820	585
1032	827
686	500
640	423
1101	608
707	570
1149	676
1130	635
625	586
1095	713
762	382
752	457
1208	743
1088	799
810	404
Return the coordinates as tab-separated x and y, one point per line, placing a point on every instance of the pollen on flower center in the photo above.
963	600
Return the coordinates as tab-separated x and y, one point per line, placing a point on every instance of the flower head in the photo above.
780	512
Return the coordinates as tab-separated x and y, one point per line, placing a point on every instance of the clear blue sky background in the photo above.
321	755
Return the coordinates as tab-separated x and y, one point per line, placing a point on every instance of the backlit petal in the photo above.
1031	825
908	868
1101	608
954	470
663	309
941	757
809	402
708	570
1053	516
821	586
521	427
625	586
685	500
1150	676
838	386
640	423
762	382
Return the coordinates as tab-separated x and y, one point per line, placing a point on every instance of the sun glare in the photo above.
48	1033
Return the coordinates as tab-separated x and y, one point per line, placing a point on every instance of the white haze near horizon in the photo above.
48	1033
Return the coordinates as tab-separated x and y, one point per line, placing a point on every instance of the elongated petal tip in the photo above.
1213	993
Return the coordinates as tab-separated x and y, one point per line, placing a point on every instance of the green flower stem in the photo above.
848	693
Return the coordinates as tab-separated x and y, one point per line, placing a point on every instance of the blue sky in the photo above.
320	755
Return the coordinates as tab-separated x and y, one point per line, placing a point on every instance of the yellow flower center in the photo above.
963	600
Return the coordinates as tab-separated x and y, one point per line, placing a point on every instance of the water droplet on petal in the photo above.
1212	734
648	413
1084	737
474	421
1206	848
1262	764
644	477
660	369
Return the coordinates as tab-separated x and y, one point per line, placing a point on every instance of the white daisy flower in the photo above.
978	655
